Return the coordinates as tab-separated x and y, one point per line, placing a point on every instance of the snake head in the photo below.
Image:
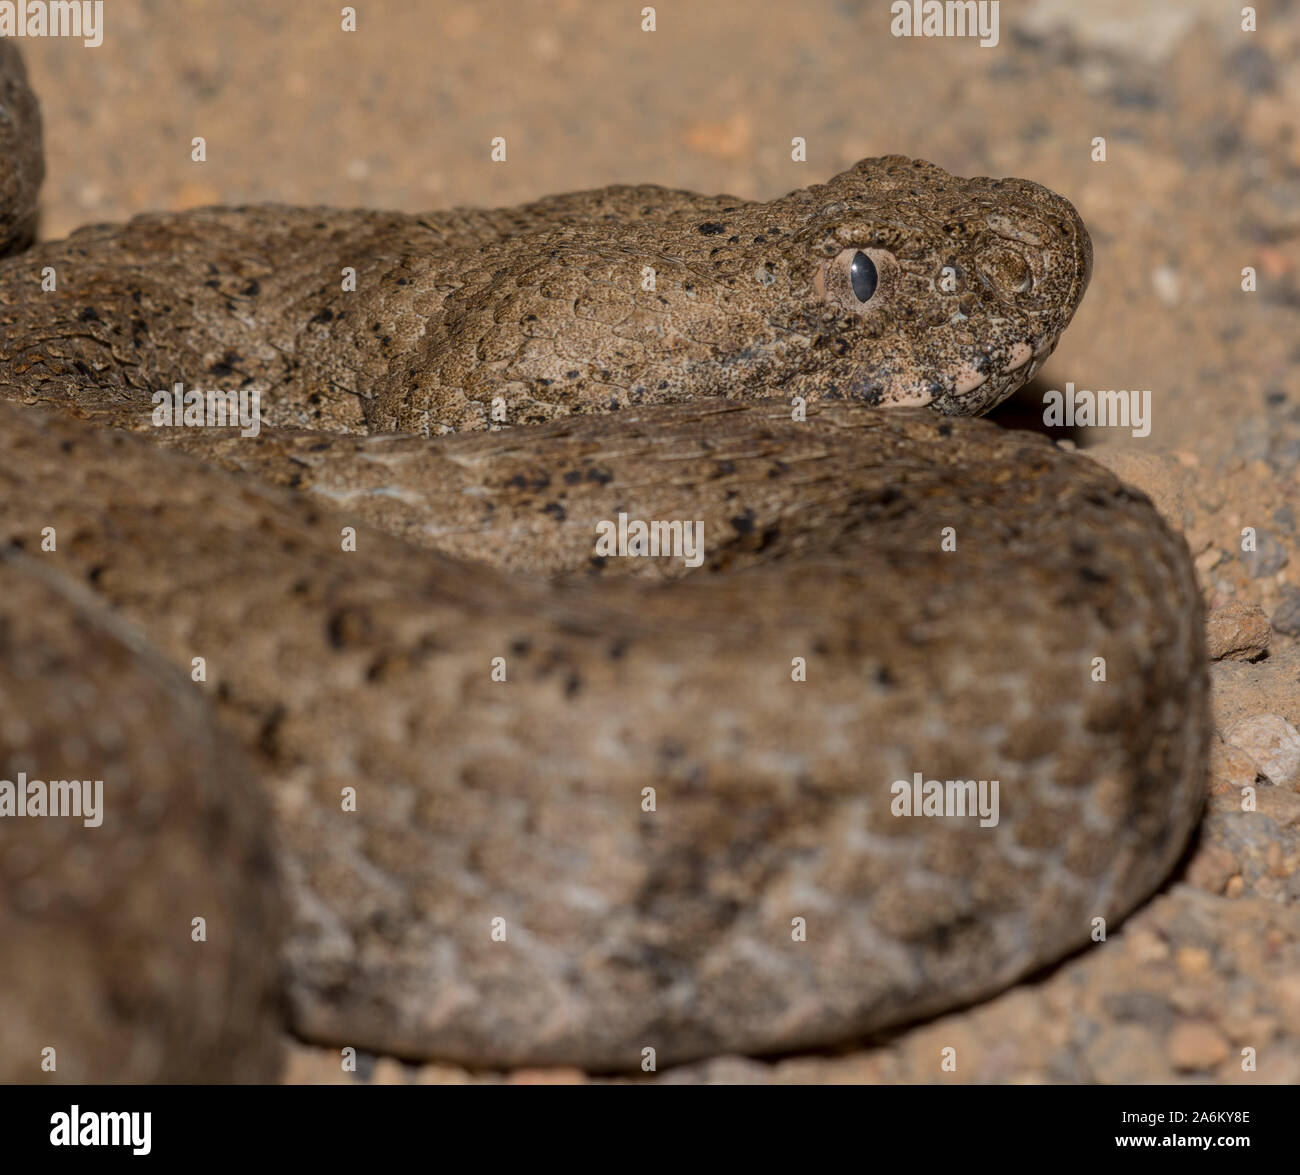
895	283
926	288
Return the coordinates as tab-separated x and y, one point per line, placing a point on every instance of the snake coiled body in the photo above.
461	788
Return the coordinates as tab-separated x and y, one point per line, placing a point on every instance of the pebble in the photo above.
1256	1031
1141	1007
1288	997
1192	960
1196	1045
388	1071
1237	632
1231	769
1165	283
1120	1055
1252	438
305	1065
1272	742
1208	560
1286	616
1268	557
1211	868
1145	946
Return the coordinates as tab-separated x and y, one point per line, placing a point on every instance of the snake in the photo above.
397	756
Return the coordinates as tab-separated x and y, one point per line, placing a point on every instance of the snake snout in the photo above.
1068	250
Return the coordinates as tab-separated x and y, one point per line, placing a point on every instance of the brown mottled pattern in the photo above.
522	799
99	965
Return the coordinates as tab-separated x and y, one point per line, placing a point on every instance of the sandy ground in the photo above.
1201	178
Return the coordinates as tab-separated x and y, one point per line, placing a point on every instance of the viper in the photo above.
394	759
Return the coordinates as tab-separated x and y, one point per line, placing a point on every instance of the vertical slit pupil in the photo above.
862	274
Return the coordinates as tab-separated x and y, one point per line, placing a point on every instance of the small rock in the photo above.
1211	868
1231	769
1165	283
1192	960
1268	557
1188	998
1272	742
1283	457
1196	1045
1124	1054
388	1072
306	1065
1288	997
1286	616
1208	560
927	1055
1252	438
1237	632
1145	946
1244	1028
1104	31
1142	1007
1254	69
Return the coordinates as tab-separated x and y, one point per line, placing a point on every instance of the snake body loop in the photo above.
528	804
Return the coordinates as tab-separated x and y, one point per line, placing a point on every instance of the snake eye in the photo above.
862	276
859	281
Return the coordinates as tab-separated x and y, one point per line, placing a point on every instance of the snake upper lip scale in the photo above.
441	784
